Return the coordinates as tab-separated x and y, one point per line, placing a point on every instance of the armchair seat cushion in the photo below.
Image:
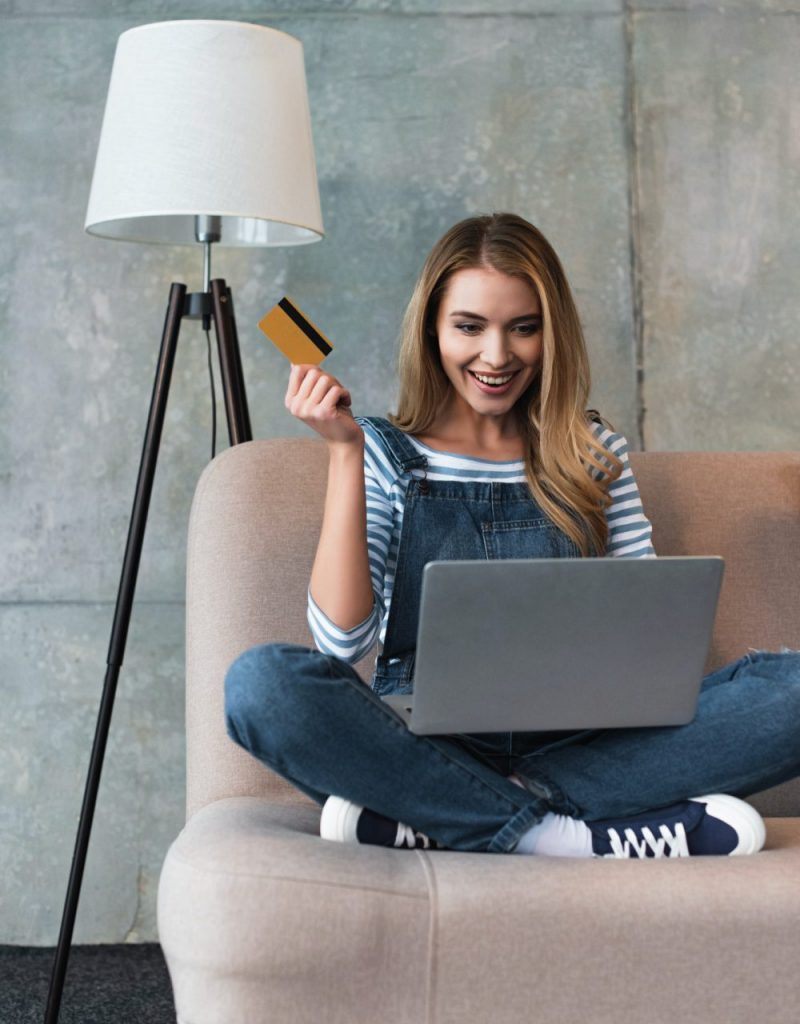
263	921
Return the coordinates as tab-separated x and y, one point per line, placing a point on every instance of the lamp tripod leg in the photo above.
239	372
119	632
230	363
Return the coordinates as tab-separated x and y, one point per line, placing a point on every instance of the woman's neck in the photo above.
467	432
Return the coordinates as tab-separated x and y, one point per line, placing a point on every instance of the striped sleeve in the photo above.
353	644
629	529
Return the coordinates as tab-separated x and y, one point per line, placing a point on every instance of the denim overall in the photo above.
310	718
451	520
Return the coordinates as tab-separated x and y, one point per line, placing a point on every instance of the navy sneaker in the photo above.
346	822
719	825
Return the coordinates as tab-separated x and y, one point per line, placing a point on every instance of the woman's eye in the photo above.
524	330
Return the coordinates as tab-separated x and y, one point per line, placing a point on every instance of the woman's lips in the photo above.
489	389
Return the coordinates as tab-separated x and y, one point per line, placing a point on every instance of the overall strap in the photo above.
402	452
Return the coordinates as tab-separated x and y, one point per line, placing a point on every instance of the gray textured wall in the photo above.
656	143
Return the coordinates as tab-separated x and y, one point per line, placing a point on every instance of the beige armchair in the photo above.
263	922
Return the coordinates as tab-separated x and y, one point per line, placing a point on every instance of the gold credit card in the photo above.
293	333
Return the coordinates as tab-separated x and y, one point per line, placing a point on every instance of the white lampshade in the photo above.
206	118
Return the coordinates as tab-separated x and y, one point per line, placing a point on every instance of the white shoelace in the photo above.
668	845
408	838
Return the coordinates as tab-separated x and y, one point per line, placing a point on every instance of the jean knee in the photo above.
254	684
271	690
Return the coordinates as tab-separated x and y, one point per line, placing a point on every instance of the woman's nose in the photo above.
496	349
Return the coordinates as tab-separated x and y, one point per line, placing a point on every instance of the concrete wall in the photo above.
655	142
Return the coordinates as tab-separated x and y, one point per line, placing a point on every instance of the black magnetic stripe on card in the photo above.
308	329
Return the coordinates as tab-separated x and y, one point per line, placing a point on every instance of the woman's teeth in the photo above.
496	381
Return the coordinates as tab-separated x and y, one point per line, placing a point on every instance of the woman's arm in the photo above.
340	579
629	529
340	586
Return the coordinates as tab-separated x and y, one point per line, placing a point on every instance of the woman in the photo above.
491	455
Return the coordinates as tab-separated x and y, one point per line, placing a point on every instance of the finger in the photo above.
308	382
322	387
295	377
298	374
315	386
337	398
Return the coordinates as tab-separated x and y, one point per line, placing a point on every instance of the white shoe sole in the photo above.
745	819
339	820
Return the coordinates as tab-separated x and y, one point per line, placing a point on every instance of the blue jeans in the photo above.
310	718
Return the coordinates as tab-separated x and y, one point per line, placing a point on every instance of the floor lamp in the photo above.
206	138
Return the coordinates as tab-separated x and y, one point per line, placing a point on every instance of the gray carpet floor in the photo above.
104	985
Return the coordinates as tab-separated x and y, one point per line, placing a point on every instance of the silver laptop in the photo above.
579	643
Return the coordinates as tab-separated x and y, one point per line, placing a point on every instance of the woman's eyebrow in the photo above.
477	316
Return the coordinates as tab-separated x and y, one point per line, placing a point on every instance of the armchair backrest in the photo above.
253	533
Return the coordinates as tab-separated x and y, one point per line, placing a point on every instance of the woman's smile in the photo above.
493	383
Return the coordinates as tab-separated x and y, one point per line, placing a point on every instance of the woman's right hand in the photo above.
320	401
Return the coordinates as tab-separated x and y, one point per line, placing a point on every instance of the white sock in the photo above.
557	835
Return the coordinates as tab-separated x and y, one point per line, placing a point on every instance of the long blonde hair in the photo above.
567	469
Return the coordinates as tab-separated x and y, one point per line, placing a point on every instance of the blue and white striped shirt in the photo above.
629	529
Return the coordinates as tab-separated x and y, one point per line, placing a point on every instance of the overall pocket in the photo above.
394	674
528	538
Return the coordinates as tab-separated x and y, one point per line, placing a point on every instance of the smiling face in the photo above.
489	327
